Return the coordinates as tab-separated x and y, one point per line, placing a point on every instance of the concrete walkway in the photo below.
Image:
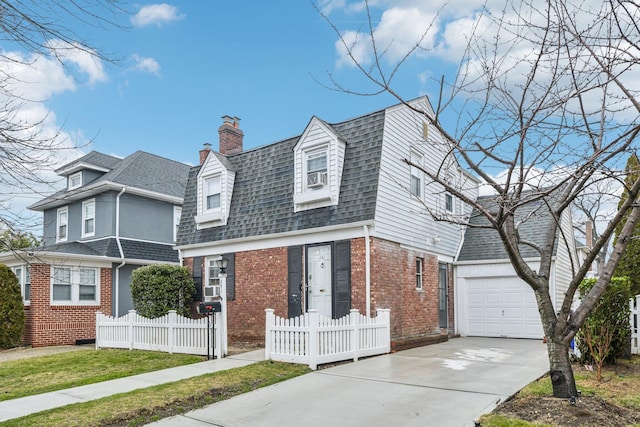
447	384
16	408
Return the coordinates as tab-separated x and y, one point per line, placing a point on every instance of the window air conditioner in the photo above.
316	179
212	291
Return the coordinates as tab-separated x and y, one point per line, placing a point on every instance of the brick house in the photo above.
113	216
332	219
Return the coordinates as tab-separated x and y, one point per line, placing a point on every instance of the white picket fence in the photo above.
170	333
634	304
312	339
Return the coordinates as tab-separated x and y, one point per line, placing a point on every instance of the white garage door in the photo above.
502	307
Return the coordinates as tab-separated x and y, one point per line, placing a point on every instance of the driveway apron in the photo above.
446	384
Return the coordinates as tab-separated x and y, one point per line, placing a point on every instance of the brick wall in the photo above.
261	282
393	285
60	325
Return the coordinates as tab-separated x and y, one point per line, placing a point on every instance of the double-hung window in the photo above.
88	218
74	285
212	189
419	262
62	223
23	273
416	175
316	169
448	202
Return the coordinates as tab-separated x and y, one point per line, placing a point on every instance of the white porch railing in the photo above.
312	339
634	304
170	333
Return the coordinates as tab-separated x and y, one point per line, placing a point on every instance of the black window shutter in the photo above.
294	293
231	276
197	277
342	282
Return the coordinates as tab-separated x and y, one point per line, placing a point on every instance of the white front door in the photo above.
319	279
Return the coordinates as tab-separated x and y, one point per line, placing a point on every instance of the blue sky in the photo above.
194	62
182	65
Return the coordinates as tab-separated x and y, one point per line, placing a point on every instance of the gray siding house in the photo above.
113	216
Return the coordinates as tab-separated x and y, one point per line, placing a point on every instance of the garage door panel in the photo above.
501	307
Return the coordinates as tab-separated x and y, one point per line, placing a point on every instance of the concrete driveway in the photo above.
447	384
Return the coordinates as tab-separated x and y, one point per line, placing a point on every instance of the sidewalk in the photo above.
16	408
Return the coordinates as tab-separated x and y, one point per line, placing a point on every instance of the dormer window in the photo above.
75	180
317	169
212	193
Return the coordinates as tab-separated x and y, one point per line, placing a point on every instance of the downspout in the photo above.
367	269
117	278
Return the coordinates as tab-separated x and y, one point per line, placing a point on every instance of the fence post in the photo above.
98	314
314	323
130	317
354	320
171	328
384	315
268	339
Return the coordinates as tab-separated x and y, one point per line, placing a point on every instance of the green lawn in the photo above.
37	375
150	404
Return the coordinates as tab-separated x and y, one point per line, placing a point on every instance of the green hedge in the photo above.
11	309
611	313
156	289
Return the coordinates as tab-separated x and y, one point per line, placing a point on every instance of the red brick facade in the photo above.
261	282
48	324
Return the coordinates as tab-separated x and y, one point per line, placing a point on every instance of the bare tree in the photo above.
545	92
47	29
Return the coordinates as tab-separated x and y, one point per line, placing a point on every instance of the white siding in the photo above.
212	166
399	216
317	135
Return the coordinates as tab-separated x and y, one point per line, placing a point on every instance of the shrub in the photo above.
606	332
11	309
156	289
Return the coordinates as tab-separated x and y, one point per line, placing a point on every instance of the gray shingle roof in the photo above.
140	170
262	201
132	249
485	244
95	158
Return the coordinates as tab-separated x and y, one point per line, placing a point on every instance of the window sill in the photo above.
311	196
64	304
215	215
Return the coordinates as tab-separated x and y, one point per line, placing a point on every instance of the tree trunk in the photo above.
561	373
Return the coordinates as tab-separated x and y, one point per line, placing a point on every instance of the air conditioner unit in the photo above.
316	179
212	291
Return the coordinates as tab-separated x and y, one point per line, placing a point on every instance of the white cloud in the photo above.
146	65
85	61
156	14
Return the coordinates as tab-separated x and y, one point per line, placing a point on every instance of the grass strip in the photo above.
26	377
150	404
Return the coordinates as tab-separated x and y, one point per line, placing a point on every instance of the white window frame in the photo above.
23	273
62	213
207	192
73	177
449	204
419	275
75	285
87	218
416	174
177	214
313	154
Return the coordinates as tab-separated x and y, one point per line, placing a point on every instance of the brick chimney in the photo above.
588	234
230	136
204	152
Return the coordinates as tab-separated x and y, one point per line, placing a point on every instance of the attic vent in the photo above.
316	179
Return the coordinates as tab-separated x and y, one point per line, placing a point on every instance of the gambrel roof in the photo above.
262	200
